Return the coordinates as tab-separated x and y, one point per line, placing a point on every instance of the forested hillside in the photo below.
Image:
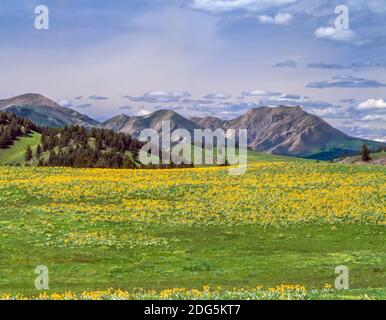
74	146
86	148
12	127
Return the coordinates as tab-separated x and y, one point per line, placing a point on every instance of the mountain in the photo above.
290	131
209	122
134	125
44	112
282	130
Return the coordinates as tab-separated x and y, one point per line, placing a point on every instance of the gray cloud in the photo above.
160	97
333	66
95	97
218	96
348	101
83	106
322	65
286	64
346	82
294	100
126	108
197	101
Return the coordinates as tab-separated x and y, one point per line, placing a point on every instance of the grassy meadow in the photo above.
277	232
16	154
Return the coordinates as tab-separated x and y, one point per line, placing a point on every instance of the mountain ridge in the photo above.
281	130
134	125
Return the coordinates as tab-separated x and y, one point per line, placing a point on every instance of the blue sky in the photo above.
199	57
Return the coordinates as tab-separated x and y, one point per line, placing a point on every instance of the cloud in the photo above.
160	96
79	98
365	130
95	97
126	108
322	65
317	107
344	81
143	112
218	96
69	104
286	64
224	110
282	19
272	99
259	93
333	66
341	35
65	103
82	106
373	104
197	101
334	112
374	117
222	6
348	101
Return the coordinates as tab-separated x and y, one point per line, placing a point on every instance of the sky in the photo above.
201	57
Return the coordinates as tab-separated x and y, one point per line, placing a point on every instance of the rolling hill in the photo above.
15	153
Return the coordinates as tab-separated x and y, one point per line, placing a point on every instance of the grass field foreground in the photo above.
280	224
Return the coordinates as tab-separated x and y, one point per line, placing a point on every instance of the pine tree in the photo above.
28	154
38	151
365	153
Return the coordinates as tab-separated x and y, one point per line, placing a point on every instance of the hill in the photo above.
79	147
16	135
22	142
44	112
15	154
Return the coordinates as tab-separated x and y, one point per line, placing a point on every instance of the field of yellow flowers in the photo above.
281	222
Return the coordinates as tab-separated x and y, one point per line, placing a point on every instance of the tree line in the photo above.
74	146
81	147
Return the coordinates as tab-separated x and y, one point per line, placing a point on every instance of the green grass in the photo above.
253	156
216	256
190	256
15	153
373	156
379	155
